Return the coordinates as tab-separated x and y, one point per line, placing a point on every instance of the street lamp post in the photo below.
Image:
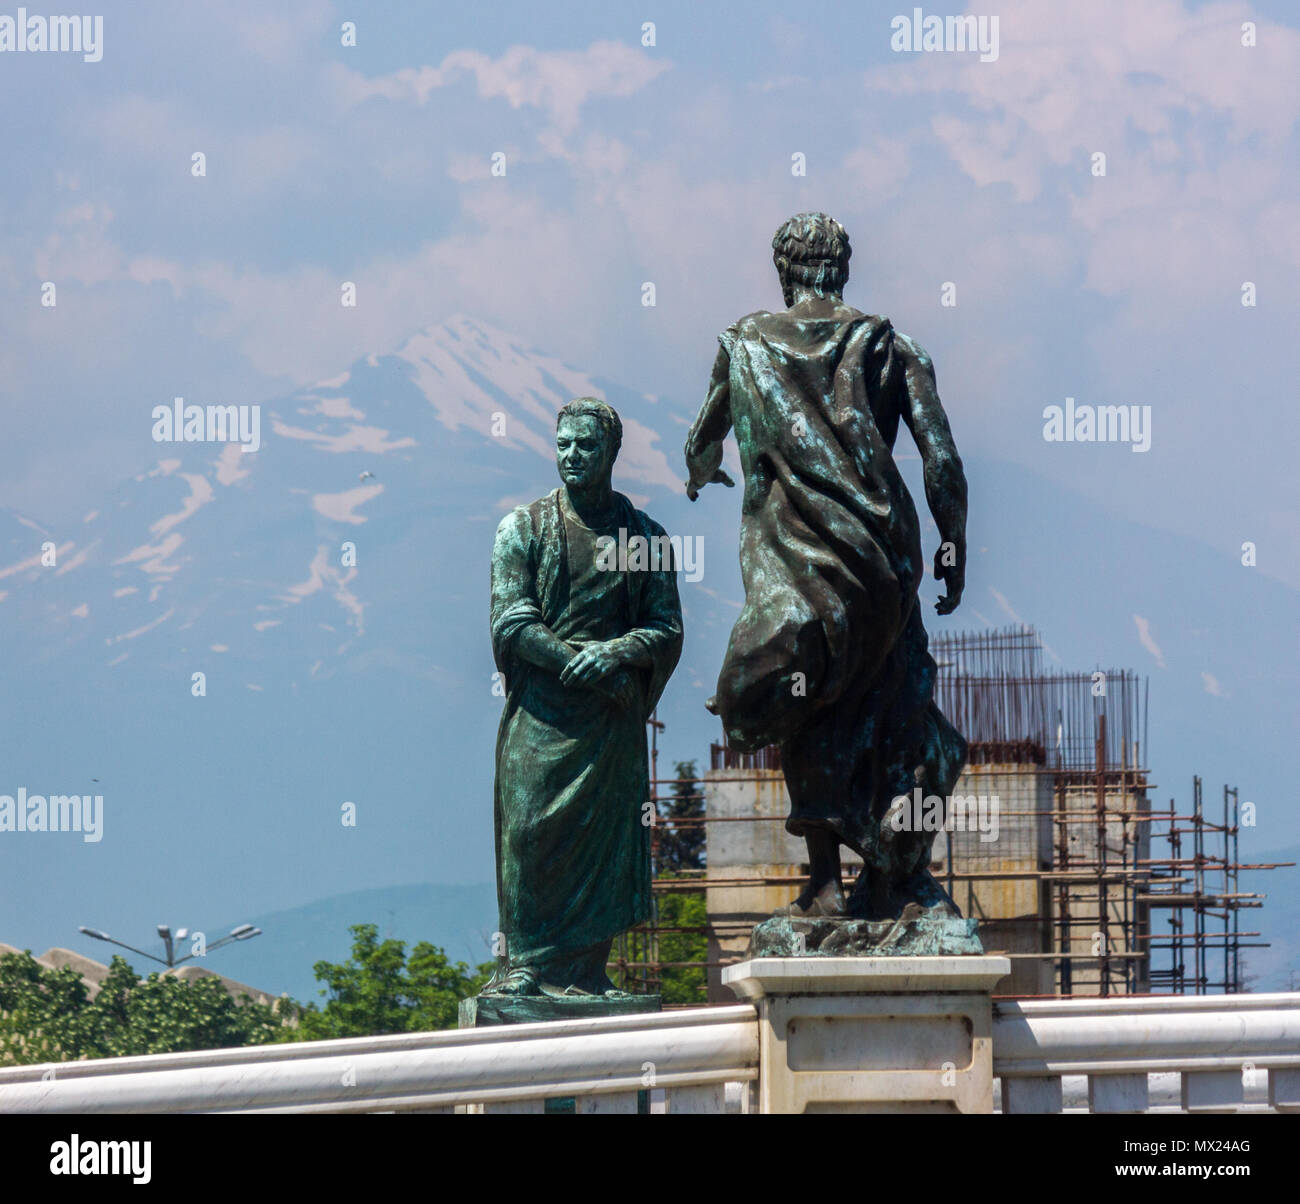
242	932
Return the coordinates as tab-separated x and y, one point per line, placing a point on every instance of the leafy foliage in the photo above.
48	1015
678	847
681	846
378	990
683	984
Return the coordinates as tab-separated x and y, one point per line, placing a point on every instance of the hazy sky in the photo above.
670	164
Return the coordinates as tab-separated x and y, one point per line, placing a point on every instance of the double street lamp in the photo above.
243	932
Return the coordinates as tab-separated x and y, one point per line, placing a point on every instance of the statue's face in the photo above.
582	452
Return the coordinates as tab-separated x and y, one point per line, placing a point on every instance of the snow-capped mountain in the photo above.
331	589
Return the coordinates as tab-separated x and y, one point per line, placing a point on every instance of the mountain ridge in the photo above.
328	683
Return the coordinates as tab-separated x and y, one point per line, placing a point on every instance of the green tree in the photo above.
48	1015
164	1014
44	1014
680	846
378	990
683	984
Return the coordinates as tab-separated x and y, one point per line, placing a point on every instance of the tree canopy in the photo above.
379	990
50	1016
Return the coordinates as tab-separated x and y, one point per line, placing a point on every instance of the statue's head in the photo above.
811	250
588	434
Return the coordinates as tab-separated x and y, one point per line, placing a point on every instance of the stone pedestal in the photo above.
872	1034
917	933
484	1010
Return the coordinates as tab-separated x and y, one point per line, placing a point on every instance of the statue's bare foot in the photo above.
711	705
607	989
595	986
519	982
828	901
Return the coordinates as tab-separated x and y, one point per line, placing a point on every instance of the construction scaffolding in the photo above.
1079	861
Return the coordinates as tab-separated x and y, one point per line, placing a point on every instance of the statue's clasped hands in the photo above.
599	666
589	664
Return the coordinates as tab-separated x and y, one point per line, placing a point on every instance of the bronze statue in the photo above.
828	659
586	641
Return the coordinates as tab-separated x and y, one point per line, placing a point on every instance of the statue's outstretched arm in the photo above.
945	480
704	443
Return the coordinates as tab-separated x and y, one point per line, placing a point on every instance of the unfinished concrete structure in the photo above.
998	875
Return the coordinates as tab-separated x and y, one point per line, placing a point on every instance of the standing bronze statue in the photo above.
586	643
829	657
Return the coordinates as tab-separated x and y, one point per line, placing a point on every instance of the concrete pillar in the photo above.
872	1034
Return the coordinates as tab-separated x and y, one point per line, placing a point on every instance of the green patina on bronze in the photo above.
829	658
586	644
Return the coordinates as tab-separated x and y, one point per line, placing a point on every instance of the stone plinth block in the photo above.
872	1034
484	1010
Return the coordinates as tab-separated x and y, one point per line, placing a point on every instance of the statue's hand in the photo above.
589	665
718	478
954	577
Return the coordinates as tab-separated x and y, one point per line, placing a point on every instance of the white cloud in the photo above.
284	32
1072	79
878	168
559	82
1147	641
1192	123
231	465
79	248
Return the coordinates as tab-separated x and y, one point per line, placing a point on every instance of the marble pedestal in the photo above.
872	1034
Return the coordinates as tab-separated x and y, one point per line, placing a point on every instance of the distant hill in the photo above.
458	919
461	919
232	648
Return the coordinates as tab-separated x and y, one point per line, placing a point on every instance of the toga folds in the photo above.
573	852
829	658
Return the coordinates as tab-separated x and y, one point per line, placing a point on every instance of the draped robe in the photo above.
829	658
573	852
